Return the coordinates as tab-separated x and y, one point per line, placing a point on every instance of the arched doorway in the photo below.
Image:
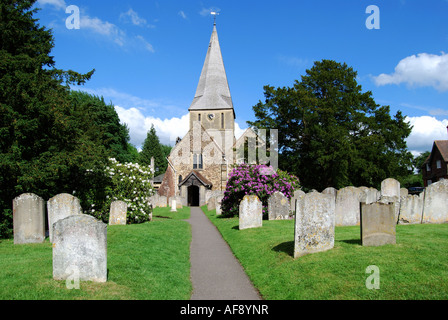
193	196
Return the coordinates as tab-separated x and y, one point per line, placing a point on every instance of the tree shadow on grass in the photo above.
286	247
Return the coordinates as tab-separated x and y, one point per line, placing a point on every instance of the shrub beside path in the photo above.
215	272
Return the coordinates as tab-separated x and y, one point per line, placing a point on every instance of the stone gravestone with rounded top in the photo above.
314	224
278	206
60	207
251	212
80	244
378	224
28	219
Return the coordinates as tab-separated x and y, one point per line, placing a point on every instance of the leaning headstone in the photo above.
411	209
61	206
314	224
378	224
80	244
251	212
118	213
278	206
347	206
28	219
435	208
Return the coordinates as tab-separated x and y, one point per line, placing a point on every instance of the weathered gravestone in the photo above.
292	203
435	208
347	206
314	224
390	192
211	204
118	213
332	191
80	243
28	219
61	206
369	195
378	224
278	206
251	212
218	205
411	209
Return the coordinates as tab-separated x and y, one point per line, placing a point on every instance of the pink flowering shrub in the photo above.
259	180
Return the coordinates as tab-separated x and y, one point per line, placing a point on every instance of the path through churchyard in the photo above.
215	272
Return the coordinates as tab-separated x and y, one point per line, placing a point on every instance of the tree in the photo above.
152	148
43	147
102	121
331	134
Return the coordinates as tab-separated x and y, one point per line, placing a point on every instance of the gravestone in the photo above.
118	213
251	212
61	206
378	224
218	205
390	192
211	204
278	206
347	206
173	205
435	208
314	224
369	195
292	203
411	209
28	219
80	243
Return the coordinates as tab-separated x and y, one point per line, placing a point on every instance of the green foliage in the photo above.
259	180
153	148
331	134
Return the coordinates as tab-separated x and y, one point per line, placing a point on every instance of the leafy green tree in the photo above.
44	148
331	134
153	148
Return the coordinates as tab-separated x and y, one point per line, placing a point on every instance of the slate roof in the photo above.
199	176
213	91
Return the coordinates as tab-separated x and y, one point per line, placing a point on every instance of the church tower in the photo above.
199	163
212	105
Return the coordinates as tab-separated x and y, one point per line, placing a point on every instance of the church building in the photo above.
199	164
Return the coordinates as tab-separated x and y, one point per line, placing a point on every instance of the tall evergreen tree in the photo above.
152	148
331	134
43	147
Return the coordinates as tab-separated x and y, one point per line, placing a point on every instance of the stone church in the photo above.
199	164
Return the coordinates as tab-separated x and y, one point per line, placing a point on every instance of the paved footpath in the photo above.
215	272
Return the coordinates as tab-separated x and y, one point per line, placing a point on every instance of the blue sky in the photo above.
148	55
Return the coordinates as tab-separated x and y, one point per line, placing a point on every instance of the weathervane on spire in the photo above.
214	14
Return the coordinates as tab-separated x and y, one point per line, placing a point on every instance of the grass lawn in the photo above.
413	269
149	261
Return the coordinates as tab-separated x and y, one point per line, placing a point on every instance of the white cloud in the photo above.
425	130
206	11
134	18
182	14
420	70
146	44
58	4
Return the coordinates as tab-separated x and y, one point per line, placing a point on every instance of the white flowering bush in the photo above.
128	182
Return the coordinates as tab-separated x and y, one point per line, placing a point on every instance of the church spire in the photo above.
213	91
